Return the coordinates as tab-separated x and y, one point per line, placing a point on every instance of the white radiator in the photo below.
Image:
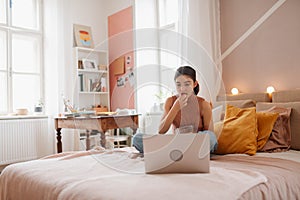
24	139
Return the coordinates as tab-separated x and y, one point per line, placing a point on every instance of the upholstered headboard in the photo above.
258	97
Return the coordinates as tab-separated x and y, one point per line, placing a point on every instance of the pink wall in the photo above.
270	55
120	26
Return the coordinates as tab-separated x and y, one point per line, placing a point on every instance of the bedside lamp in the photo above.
270	90
234	91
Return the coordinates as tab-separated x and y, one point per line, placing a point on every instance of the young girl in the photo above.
185	110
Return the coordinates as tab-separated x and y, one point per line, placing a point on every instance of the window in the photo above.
21	57
169	51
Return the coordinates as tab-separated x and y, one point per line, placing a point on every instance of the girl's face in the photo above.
185	85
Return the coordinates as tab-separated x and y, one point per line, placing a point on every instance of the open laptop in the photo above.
176	153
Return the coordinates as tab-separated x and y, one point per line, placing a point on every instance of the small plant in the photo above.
161	96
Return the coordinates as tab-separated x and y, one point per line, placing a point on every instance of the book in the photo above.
80	82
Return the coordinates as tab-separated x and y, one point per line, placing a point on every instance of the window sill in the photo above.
8	117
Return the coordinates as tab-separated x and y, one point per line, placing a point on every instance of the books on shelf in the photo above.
80	80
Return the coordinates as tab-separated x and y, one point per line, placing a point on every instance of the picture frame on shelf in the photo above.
83	36
89	64
96	86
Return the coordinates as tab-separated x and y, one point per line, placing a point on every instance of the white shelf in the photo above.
92	85
93	92
92	71
89	50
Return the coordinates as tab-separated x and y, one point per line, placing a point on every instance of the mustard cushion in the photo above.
239	131
265	123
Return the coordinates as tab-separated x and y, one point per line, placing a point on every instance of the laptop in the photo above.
176	153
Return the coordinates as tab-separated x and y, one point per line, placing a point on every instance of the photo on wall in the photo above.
83	36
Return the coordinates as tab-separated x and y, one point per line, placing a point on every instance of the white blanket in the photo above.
118	174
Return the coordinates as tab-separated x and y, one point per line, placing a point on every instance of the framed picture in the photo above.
89	64
83	36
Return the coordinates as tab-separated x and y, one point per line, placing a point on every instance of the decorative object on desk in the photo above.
100	108
83	36
89	64
68	106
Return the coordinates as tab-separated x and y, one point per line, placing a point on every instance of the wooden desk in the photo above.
100	123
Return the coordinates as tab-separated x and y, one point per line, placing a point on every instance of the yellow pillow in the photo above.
265	123
239	131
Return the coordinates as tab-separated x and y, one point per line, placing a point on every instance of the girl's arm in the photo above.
170	112
207	116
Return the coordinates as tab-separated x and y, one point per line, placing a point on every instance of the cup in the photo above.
185	129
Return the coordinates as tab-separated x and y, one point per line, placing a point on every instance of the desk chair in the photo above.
121	140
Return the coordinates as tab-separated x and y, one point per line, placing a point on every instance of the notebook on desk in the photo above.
176	153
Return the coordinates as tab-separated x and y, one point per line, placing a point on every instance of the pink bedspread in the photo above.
119	174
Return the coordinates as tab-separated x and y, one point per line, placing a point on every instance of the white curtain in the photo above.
196	43
199	22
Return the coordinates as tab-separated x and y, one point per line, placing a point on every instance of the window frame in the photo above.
162	29
10	30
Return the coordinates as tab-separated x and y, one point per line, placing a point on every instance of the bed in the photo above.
119	173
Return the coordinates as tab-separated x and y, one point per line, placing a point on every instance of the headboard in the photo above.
258	97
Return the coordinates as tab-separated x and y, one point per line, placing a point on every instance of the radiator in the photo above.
23	139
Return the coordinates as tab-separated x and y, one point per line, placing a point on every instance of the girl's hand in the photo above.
182	100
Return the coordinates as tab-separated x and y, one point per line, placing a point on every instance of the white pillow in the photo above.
216	113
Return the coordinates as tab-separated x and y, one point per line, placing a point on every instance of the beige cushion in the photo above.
286	96
294	119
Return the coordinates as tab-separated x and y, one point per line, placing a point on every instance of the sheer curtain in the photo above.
200	45
193	40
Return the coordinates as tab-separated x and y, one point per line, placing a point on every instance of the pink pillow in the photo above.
280	138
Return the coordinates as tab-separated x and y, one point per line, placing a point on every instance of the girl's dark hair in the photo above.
188	71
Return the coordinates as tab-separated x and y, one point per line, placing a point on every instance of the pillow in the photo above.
239	131
265	123
280	138
248	103
294	119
